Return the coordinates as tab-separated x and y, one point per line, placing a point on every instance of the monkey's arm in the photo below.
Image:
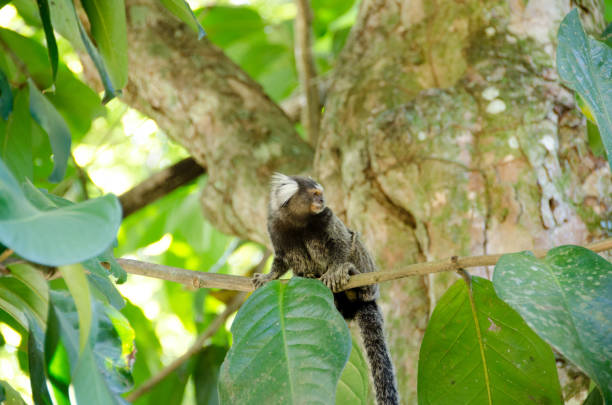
278	269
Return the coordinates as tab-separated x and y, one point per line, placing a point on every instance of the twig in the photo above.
197	279
195	348
83	177
200	279
4	255
160	184
311	115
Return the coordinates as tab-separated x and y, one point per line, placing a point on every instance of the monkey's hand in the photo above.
337	277
260	279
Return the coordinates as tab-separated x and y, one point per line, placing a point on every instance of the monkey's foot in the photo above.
260	279
336	279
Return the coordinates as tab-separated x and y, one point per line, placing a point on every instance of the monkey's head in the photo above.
297	196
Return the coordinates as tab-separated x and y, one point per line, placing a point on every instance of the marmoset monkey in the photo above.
309	239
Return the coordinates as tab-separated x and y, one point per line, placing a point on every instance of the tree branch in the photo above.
201	279
311	114
193	349
207	103
232	306
160	184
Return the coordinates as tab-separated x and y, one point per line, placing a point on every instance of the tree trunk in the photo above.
446	132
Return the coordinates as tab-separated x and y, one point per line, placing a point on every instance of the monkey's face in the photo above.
306	202
296	196
317	202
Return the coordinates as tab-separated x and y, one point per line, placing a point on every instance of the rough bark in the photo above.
208	104
445	132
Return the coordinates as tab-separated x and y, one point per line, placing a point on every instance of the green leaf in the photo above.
9	395
594	140
290	343
32	54
57	359
181	9
78	103
594	398
28	11
75	279
20	300
38	286
65	17
6	97
56	235
354	385
99	372
478	350
45	16
108	263
108	28
16	141
36	363
584	65
565	298
206	374
225	25
45	114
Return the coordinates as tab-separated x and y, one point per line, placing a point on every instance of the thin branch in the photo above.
201	279
5	255
83	177
194	349
196	279
311	115
160	184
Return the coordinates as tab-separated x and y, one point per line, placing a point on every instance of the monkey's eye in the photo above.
316	192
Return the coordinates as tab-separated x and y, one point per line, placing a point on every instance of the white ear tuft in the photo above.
282	189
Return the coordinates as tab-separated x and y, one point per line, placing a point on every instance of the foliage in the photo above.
565	298
290	346
477	349
584	65
78	331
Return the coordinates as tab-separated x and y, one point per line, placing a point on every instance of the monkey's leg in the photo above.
338	276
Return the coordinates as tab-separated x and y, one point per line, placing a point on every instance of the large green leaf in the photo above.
74	277
78	103
16	140
354	385
36	363
65	17
290	345
45	114
585	65
108	28
24	295
28	291
100	372
566	298
181	9
45	16
57	235
478	350
6	97
206	374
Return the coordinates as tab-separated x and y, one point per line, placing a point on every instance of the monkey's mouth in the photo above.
316	207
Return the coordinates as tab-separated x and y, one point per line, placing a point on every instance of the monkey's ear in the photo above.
282	188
